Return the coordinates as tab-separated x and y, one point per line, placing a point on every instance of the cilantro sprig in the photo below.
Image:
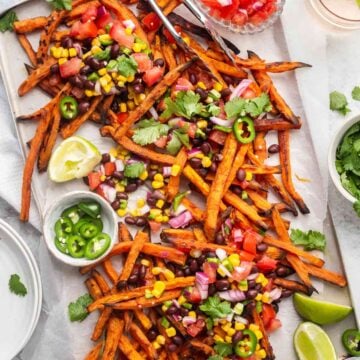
134	170
61	4
78	310
355	94
149	131
7	21
311	240
338	102
215	308
16	286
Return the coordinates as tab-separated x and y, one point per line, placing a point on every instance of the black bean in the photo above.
76	81
197	141
151	174
222	285
251	284
193	78
285	293
251	294
183	311
202	172
228	79
211	254
238	336
254	270
172	347
115	204
218	157
140	221
105	158
261	247
187	271
121	196
115	106
139	88
203	93
172	310
194	266
195	163
151	334
133	279
205	148
249	307
237	190
84	107
179	273
67	42
85	70
225	93
131	187
130	220
121	284
159	62
94	63
151	201
139	182
274	148
90	85
241	175
212	289
102	64
258	287
54	69
115	50
275	307
142	272
271	275
200	260
219	239
177	340
213	167
118	175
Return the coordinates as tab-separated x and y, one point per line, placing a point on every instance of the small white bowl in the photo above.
335	141
53	213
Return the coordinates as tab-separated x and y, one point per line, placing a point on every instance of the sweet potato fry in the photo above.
327	275
174	182
77	11
291	285
26	45
197	180
179	233
260	146
114	331
169	56
204	348
284	143
93	288
95	352
217	187
143	319
161	329
260	202
262	170
282	66
30	25
197	213
142	339
101	323
101	282
124	233
227	69
277	124
134	252
59	34
275	253
128	349
110	270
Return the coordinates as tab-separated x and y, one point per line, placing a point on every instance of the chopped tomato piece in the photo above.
109	168
242	272
183	84
118	33
266	264
154	226
251	239
227	12
151	21
82	31
161	142
194	329
70	68
274	325
143	61
194	295
94	180
121	117
169	37
218	137
246	256
267	314
90	14
152	76
210	270
213	4
104	20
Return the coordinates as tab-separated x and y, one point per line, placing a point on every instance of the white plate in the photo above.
19	315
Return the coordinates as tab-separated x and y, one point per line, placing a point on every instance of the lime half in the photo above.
74	158
318	311
312	343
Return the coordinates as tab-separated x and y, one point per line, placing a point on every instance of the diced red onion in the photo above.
238	235
253	276
244	84
113	91
97	87
182	87
201	279
181	208
154	113
78	49
77	92
230	317
158	195
225	270
224	2
204	293
232	295
119	165
109	192
193	152
101	11
188	320
167	171
222	122
176	303
129	24
275	294
221	254
241	320
177	317
181	220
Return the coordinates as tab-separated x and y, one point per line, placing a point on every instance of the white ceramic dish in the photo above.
52	214
335	141
19	315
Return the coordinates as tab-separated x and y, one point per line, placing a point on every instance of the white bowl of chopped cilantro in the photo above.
344	160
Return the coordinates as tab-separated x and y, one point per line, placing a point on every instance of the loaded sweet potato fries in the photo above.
182	124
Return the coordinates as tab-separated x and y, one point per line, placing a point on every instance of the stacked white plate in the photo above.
18	315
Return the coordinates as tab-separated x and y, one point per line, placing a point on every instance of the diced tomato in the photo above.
161	142
210	270
274	325
151	22
154	226
169	37
82	31
70	68
214	4
109	168
143	61
248	94
218	137
194	329
90	14
240	18
245	3
118	33
121	117
251	238
192	130
227	12
242	271
244	184
266	264
246	256
94	180
269	286
104	20
183	84
100	192
194	295
153	75
267	314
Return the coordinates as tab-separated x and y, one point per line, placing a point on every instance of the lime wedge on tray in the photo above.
312	343
318	311
74	158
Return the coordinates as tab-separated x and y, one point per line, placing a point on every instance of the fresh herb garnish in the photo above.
149	131
178	139
134	170
356	92
16	286
7	21
311	240
338	102
215	357
61	4
223	349
215	308
78	310
178	199
126	65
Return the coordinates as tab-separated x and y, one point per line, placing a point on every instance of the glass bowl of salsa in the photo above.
243	16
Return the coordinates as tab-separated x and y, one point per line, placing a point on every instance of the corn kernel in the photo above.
261	354
221	272
157	184
105	37
158	177
62	61
122	212
130	78
135	212
260	278
103	81
131	105
156	270
86	55
202	124
95	50
253	327
160	203
170	332
239	326
175	170
266	298
156	345
107	88
158	218
102	72
257	347
199	156
264	282
248	176
145	262
218	86
192	314
169	274
157	293
182	300
231	332
228	339
144	175
223	321
72	52
128	31
234	259
186	40
140	203
119	187
258	297
206	162
113	152
148	294
141	97
218	338
226	327
137	47
123	107
96	42
201	85
65	53
160	339
258	334
55	52
122	78
165	219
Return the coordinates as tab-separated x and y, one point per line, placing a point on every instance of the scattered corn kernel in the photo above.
105	37
55	52
128	31
103	81
141	97
206	162
164	308
148	294
160	203
107	88
169	274
199	156
248	176
156	270
62	61
170	332
95	49
155	212
65	53
102	177
201	85
253	327
137	47
261	354
123	107
156	345
260	278
158	177
130	78
135	212
258	297
175	170
157	184
119	187
122	78
144	175
72	52
145	262
231	332
159	288
192	314
122	212
258	334
140	203
234	259
218	338
102	71
165	219
239	326
182	300
96	42
113	152
159	218
228	339
202	124
226	327
160	339
218	86
266	297
131	105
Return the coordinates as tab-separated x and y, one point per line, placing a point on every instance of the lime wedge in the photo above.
74	158
312	343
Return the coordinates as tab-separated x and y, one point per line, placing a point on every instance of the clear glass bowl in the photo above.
247	28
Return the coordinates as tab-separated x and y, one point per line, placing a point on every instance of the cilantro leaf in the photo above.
312	240
223	349
134	170
215	357
215	308
255	107
127	66
61	4
339	102
7	21
16	286
149	131
186	104
78	310
174	145
356	91
183	137
213	109
234	108
356	207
